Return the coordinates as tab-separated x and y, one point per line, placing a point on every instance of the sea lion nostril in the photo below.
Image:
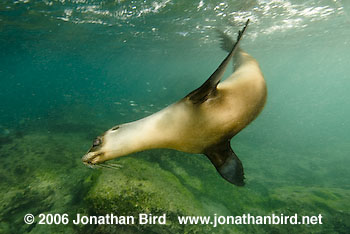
97	142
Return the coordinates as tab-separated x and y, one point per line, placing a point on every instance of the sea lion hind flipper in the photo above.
225	41
208	88
226	163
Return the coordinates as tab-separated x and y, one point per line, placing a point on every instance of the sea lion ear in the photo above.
208	88
226	162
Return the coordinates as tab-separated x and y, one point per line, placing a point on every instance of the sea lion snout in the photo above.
92	158
95	154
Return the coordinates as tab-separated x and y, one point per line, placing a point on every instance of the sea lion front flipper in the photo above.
226	162
208	88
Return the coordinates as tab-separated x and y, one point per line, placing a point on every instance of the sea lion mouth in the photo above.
93	160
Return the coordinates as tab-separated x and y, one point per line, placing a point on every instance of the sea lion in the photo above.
203	122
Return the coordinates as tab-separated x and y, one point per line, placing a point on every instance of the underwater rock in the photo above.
142	187
43	173
171	183
39	175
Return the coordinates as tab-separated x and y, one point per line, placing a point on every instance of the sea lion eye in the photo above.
97	142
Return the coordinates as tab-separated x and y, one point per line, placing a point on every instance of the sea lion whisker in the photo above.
92	166
116	165
97	166
108	166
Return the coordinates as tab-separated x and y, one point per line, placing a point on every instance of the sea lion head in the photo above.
95	154
106	147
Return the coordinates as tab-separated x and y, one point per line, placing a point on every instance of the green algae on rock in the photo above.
143	187
34	180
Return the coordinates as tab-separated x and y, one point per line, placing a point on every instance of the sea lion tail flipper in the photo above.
226	163
208	88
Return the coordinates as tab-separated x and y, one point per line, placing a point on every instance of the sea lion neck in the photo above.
148	133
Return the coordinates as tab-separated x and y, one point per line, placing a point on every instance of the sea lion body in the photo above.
202	122
240	98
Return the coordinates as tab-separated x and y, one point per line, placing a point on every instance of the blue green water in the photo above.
70	70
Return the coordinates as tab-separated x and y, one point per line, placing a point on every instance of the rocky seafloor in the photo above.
41	172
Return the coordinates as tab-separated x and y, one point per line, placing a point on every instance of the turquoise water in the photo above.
72	69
